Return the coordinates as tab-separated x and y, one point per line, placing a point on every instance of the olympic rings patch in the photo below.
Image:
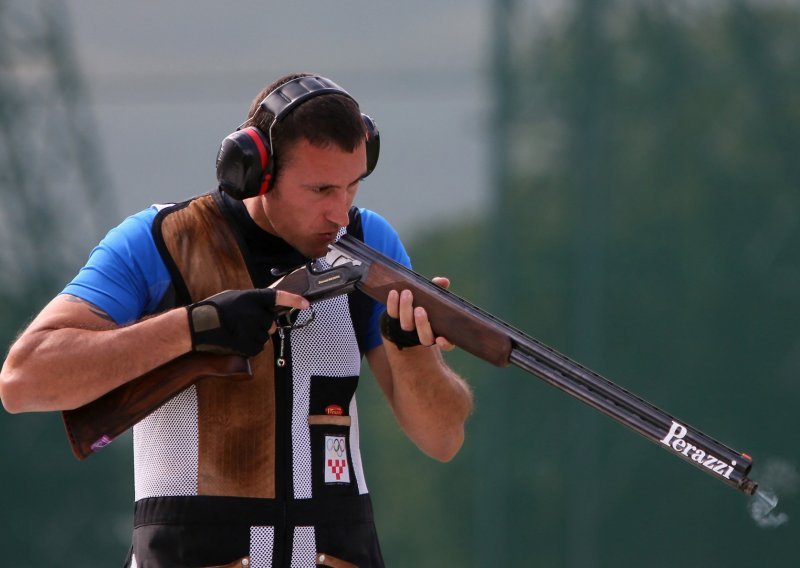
335	445
337	469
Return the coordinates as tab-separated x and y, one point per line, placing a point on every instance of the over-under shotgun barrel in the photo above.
497	342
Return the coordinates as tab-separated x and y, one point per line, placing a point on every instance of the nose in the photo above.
338	209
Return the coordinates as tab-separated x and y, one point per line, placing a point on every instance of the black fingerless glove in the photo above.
233	322
391	330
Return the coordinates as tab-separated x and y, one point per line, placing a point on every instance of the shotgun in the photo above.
483	335
93	426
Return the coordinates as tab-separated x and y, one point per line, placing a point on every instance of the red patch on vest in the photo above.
334	410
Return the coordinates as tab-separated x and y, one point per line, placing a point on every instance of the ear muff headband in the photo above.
291	94
237	173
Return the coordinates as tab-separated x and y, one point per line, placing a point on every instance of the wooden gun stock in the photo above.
93	426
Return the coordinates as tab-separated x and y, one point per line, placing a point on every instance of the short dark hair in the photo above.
324	120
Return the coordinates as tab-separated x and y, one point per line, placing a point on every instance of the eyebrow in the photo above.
327	185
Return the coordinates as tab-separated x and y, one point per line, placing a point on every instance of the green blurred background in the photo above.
629	194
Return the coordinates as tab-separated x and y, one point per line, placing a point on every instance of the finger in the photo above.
407	310
291	300
444	344
423	325
392	304
441	281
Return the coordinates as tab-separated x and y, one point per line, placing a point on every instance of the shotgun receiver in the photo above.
498	343
93	426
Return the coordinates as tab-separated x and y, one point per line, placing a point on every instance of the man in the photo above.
268	471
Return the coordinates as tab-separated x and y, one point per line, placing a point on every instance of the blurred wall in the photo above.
170	81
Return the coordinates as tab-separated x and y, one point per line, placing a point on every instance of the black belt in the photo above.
211	510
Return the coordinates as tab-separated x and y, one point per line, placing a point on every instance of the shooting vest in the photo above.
265	471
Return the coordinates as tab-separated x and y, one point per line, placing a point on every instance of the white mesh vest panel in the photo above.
326	347
165	449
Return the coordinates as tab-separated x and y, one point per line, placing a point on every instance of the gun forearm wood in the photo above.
462	324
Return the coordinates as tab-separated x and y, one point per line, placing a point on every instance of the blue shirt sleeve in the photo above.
381	236
125	275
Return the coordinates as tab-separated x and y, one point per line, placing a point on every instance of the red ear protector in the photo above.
244	160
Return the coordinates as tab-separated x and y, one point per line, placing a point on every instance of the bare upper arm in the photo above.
67	311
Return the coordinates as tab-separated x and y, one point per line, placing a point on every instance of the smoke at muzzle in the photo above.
777	477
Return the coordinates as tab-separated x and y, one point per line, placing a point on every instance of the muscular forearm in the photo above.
431	402
63	368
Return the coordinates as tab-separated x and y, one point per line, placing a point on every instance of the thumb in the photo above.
441	281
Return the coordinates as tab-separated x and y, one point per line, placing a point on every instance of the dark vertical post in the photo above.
587	132
493	541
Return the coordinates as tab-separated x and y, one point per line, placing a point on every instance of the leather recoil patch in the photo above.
236	421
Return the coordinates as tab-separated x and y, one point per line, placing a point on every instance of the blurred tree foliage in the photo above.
655	209
56	202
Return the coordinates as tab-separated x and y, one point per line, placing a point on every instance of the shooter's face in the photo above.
313	194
